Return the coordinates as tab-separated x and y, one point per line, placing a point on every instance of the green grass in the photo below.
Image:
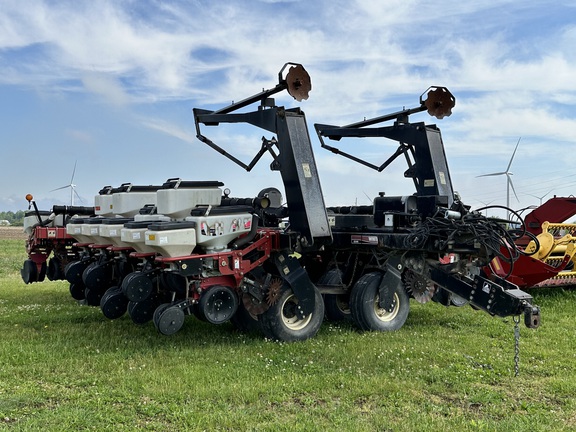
66	367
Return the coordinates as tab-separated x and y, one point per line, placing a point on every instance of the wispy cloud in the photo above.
510	64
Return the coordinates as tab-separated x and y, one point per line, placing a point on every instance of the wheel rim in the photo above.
382	314
170	320
290	317
114	304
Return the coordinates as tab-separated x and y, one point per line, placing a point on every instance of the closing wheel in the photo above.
141	312
73	271
367	313
158	311
137	286
113	303
170	320
93	296
29	272
281	322
97	275
77	291
42	272
218	304
54	271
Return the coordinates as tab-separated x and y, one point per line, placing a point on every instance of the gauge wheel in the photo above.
93	296
367	313
137	287
77	291
73	271
114	303
281	322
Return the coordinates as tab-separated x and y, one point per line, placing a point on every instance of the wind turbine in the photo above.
508	175
72	187
486	204
540	197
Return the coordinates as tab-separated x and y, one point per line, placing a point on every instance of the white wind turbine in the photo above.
541	197
508	175
72	187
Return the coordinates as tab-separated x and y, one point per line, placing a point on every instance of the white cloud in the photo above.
510	65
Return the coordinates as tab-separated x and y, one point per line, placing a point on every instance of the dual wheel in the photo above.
32	272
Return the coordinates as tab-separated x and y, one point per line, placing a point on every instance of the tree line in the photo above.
14	218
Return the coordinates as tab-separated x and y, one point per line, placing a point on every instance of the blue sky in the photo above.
110	86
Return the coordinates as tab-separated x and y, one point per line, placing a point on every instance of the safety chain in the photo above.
516	346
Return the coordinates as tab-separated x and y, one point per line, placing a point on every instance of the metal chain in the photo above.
516	346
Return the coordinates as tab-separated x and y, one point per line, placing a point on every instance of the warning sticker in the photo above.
442	177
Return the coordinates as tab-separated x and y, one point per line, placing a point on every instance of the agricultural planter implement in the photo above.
161	253
366	261
49	247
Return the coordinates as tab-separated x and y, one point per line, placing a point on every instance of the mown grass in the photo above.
66	367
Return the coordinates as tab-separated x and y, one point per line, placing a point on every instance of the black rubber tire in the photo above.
143	311
97	276
337	306
53	271
77	291
218	304
73	271
364	305
137	287
158	311
29	272
280	323
244	321
93	296
114	304
170	320
42	272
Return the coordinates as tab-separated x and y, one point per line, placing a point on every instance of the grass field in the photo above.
65	367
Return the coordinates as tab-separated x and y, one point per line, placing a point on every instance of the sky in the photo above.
105	90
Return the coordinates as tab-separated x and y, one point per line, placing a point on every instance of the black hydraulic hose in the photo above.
250	236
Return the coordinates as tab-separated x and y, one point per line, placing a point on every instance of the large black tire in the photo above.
244	321
281	323
365	310
337	306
